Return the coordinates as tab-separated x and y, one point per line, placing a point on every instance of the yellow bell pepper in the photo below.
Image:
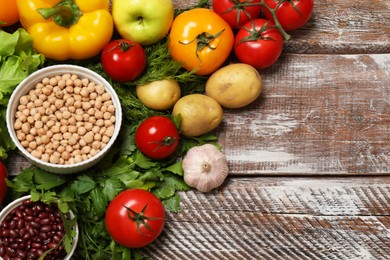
67	29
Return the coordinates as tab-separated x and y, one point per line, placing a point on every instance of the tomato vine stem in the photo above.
278	26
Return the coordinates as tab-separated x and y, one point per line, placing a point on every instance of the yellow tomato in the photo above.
9	14
200	40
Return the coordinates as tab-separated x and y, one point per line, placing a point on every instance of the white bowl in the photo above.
29	83
10	207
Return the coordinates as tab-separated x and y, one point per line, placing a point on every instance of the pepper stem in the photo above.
66	13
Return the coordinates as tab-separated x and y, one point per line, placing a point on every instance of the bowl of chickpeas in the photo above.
64	118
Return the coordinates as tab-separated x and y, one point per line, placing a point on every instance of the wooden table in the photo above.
310	159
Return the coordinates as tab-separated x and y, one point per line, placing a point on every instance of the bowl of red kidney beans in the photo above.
31	229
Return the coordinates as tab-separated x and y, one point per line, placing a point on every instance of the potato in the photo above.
235	85
160	94
199	114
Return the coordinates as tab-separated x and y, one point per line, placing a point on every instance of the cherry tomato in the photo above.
292	14
135	218
258	44
237	12
9	13
123	60
201	40
157	137
3	185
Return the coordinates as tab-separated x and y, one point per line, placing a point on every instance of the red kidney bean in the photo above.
35	224
20	253
45	221
31	229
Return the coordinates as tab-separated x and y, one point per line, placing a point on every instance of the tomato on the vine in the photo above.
123	60
291	14
157	137
258	43
3	185
135	218
237	12
200	40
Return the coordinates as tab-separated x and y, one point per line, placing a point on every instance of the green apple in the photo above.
143	21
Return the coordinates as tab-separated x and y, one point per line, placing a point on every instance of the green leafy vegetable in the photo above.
87	194
18	59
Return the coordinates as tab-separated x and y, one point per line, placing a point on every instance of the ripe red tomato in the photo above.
3	185
135	218
258	44
123	60
292	14
237	12
157	137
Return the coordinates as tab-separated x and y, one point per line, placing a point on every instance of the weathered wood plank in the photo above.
317	114
281	218
342	27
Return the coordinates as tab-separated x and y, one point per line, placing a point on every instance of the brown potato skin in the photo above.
199	113
160	94
235	85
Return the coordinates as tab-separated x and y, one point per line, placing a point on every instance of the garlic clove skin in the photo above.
205	167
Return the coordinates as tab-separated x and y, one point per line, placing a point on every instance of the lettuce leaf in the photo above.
18	59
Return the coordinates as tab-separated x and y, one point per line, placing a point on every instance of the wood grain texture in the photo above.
317	114
281	218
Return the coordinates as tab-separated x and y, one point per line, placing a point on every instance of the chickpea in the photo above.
65	76
41	132
20	135
65	155
18	124
93	96
24	143
81	131
110	131
85	82
71	109
38	103
106	97
37	154
45	157
33	131
29	138
99	89
84	92
47	90
26	112
85	150
53	81
66	136
105	139
26	128
64	129
49	133
95	129
69	83
88	137
38	124
23	100
92	120
45	139
61	83
72	129
97	137
57	137
54	159
78	158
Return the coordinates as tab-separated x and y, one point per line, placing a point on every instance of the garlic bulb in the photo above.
205	167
